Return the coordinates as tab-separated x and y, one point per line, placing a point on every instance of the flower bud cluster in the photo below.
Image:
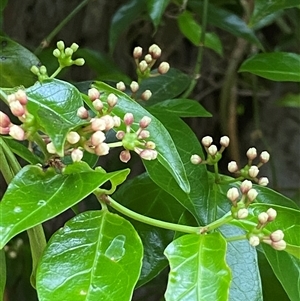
213	154
251	171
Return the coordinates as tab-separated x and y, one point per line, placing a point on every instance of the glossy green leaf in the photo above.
168	158
290	100
226	20
198	270
102	64
166	86
2	274
285	266
54	104
264	8
122	19
102	264
181	107
143	196
192	31
277	66
187	144
156	9
15	64
35	195
3	4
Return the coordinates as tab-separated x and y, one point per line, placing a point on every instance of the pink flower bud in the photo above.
120	135
121	86
254	241
21	97
137	52
117	121
112	100
163	68
128	119
73	137
82	113
93	94
17	132
50	148
143	66
277	235
97	138
224	141
251	153
233	194
264	157
144	134
195	159
148	154
242	213
262	218
76	155
207	141
102	149
252	194
11	98
125	156
4	131
17	109
146	95
148	58
212	150
144	122
155	51
98	105
134	86
278	245
109	122
253	171
232	166
98	124
263	181
246	186
4	120
272	213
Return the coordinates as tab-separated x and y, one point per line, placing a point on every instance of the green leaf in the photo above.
198	270
102	264
264	8
192	31
168	158
15	64
121	20
54	104
35	196
227	21
2	274
187	144
181	107
156	9
3	4
158	204
166	86
277	66
289	100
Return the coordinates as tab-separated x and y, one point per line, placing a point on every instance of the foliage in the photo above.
218	234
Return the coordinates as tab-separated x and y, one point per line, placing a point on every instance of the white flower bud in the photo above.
144	122
74	47
242	213
150	145
272	213
254	241
146	95
224	141
233	167
76	155
120	135
277	235
102	149
195	159
112	100
121	86
251	153
50	148
21	97
82	113
17	132
144	134
93	94
98	124
11	98
137	52
278	245
16	108
109	122
246	186
73	137
97	138
143	66
264	157
233	194
125	156
212	150
148	154
134	86
163	68
252	194
68	51
148	58
117	121
263	181
253	171
155	51
262	218
98	105
207	141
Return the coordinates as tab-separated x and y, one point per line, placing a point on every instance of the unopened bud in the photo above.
150	145
56	52
155	51
128	119
233	194
263	181
79	62
195	159
98	105
73	137
146	95
278	245
137	52
4	120
17	132
76	155
242	213
125	156
82	113
102	149
207	141
121	86
112	100
272	213
93	94
134	86
11	98
144	134
144	122
277	235
163	68
148	58
4	131
21	97
109	122
253	171
252	194
120	135
98	124
16	108
68	51
252	153
117	121
143	66
50	148
224	141
60	45
254	241
74	47
148	154
233	167
212	150
97	138
246	186
264	157
262	218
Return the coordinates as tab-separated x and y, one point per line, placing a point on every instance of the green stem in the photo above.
56	72
4	167
219	222
217	176
58	28
197	69
235	238
152	221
